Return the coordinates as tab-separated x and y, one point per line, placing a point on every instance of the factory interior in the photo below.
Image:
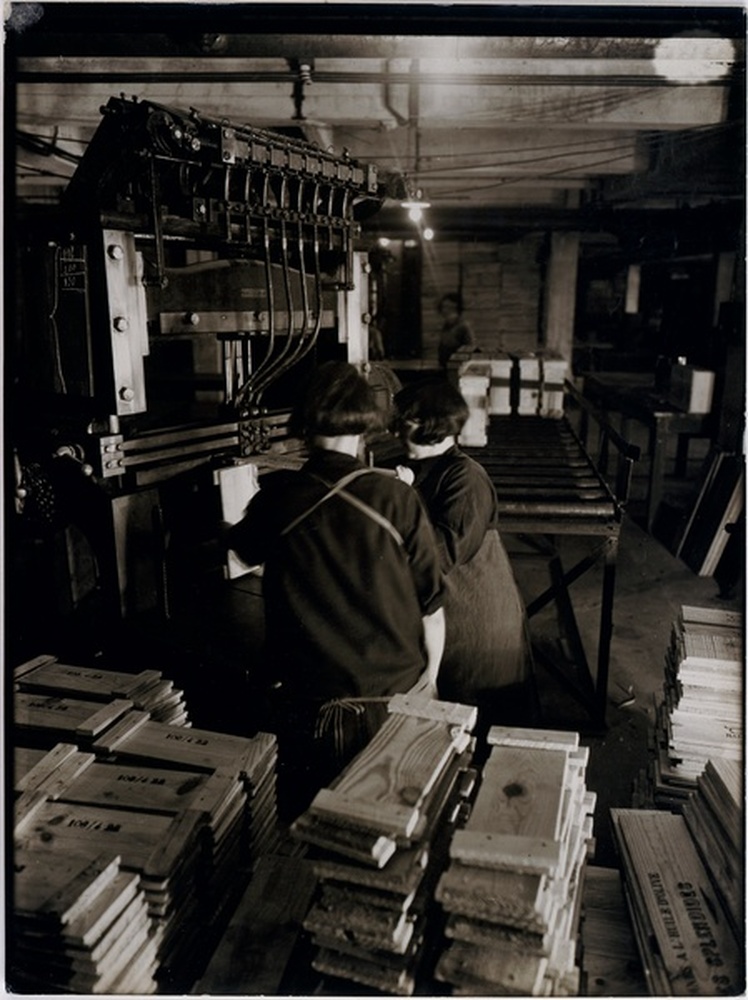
207	203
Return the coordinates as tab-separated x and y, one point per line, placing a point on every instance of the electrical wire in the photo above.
275	368
284	361
53	322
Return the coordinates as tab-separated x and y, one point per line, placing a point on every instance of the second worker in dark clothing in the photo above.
487	659
352	587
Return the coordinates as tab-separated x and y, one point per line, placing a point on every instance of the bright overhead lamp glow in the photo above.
428	233
694	58
415	204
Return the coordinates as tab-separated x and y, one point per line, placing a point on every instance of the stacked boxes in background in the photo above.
691	389
541	385
474	384
501	384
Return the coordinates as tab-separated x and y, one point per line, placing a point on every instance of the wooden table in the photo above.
633	395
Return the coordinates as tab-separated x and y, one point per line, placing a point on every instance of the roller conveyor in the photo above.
547	485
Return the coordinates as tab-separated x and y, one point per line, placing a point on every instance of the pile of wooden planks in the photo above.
380	833
683	933
190	811
701	715
512	888
715	817
251	760
148	690
79	925
163	850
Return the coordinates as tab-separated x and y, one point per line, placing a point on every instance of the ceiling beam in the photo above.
254	28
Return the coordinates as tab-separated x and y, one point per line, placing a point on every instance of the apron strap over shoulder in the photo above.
339	490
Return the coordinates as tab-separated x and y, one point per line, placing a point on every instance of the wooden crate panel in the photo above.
675	907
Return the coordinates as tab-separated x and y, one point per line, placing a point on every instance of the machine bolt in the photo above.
115	251
126	394
193	319
226	154
195	144
121	324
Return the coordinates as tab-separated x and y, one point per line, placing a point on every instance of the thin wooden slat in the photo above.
401	874
480	971
422	707
506	851
372	939
359	845
502	897
26	808
68	679
51	760
114	900
56	784
48	713
551	739
368	926
367	972
31	665
121	732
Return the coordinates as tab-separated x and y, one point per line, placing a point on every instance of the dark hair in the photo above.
455	298
337	400
428	412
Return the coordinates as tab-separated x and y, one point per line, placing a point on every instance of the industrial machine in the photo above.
198	270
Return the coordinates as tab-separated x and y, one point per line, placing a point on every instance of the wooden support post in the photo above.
561	293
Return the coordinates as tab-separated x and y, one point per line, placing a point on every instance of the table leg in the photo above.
606	629
657	449
681	455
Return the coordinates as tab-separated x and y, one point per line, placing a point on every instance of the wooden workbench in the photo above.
633	395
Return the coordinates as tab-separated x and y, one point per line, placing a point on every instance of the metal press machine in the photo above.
197	271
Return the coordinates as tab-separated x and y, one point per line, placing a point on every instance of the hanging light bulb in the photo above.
428	233
415	204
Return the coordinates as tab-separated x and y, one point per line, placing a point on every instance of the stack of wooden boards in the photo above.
79	925
715	817
701	715
512	890
380	834
685	936
187	811
61	701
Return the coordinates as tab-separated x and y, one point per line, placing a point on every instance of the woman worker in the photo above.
486	660
352	586
456	332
